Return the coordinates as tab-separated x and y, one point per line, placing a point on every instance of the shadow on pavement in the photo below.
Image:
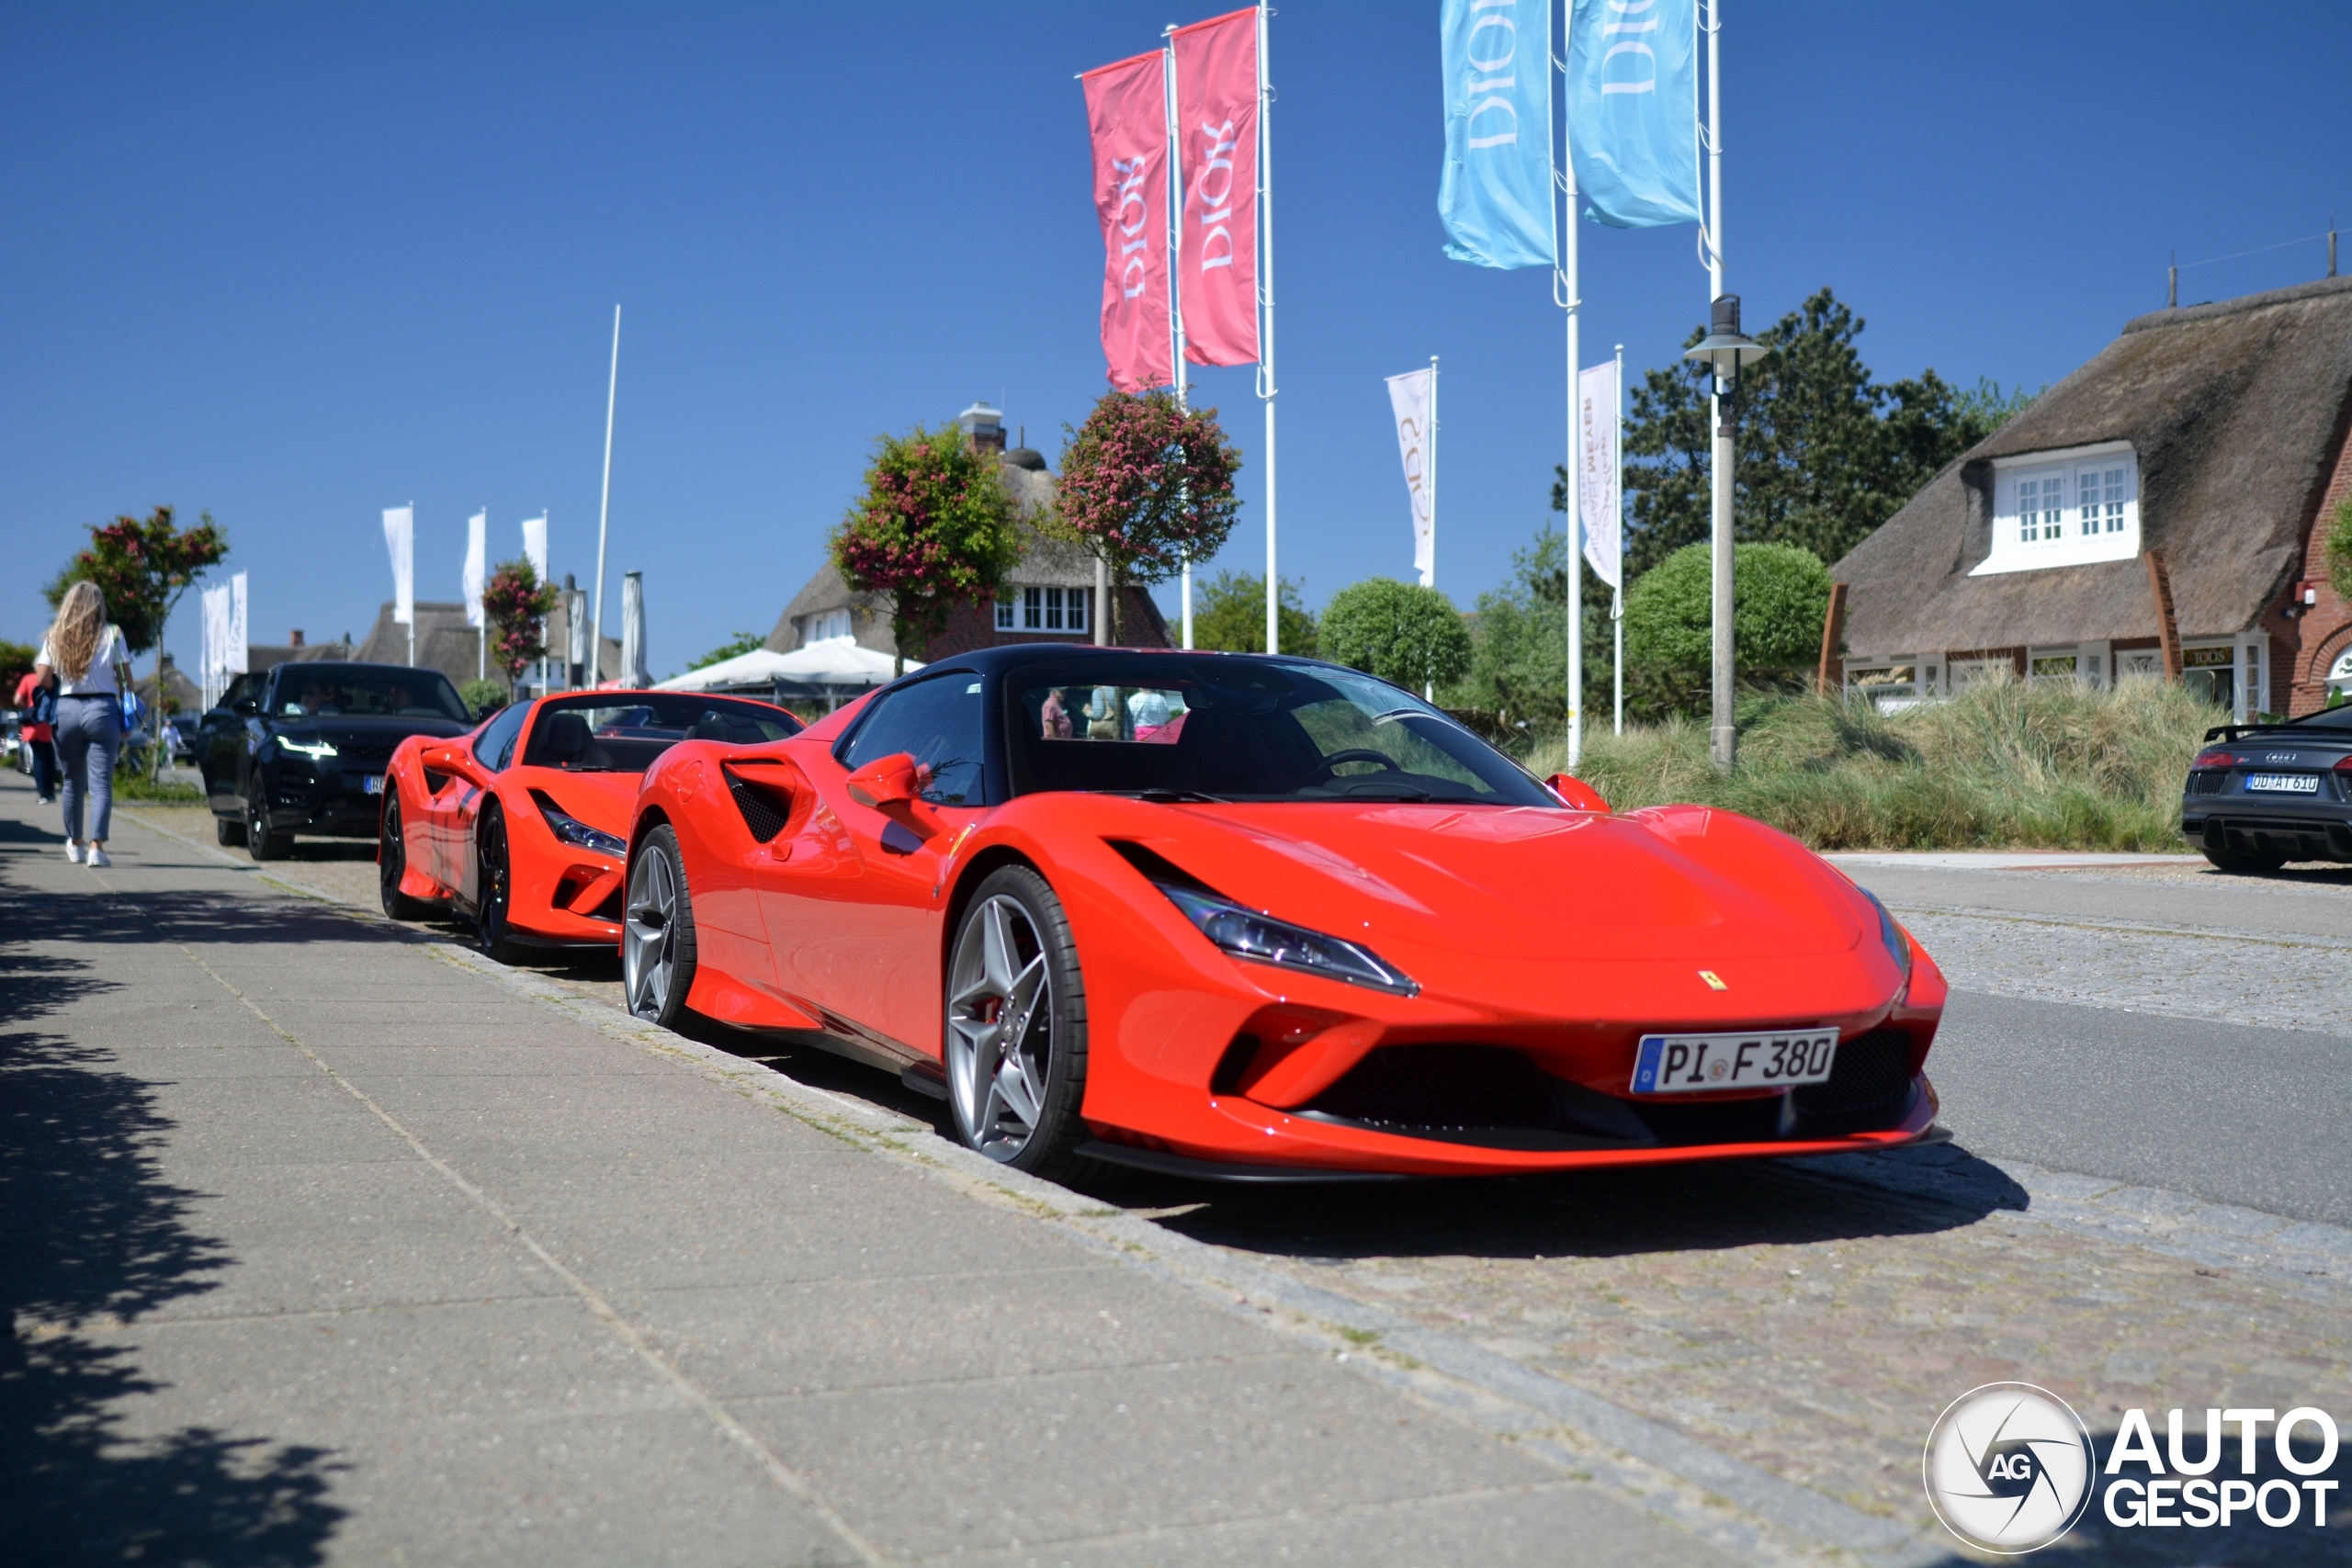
91	1237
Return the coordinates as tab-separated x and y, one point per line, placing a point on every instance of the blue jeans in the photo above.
89	733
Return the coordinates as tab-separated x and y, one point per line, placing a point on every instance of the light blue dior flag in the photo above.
1496	194
1632	111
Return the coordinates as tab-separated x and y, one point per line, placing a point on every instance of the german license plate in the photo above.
2284	783
1693	1064
373	783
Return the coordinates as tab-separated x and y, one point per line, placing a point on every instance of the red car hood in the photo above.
1669	884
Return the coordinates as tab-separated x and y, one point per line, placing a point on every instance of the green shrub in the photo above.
1779	595
1402	632
2052	766
482	698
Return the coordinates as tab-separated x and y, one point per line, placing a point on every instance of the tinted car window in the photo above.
1246	729
2327	718
938	722
495	747
338	693
604	735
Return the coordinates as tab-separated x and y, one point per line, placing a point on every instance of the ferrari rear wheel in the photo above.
496	901
658	932
391	864
1016	1027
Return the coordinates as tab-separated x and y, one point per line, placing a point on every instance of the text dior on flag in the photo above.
1216	120
1126	117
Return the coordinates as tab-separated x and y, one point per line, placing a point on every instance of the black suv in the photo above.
2259	795
301	748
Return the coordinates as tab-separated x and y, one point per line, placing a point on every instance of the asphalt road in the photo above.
2137	1088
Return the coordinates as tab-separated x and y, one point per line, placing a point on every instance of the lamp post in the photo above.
1724	351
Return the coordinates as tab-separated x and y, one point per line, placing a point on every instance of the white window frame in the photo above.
827	626
2074	531
1047	611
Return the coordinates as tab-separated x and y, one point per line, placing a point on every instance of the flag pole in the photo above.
1175	275
1724	739
605	512
1567	181
1617	489
1266	388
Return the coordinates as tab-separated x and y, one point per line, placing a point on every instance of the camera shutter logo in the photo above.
2008	1467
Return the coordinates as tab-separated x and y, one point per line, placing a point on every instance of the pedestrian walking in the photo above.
37	732
86	662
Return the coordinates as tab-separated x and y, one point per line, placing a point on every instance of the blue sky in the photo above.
295	264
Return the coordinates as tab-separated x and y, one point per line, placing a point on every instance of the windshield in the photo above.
335	692
1238	728
600	734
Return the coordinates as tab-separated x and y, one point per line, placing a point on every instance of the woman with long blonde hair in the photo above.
86	662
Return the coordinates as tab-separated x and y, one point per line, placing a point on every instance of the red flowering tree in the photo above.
516	603
1145	486
933	529
142	568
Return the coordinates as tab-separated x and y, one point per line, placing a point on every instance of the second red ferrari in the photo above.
520	826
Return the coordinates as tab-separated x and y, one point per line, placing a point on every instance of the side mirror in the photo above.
244	707
1574	793
887	781
433	757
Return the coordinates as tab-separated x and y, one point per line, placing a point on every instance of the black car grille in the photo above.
1409	1088
363	751
1873	1072
2209	780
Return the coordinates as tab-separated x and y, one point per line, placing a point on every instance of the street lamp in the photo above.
1726	352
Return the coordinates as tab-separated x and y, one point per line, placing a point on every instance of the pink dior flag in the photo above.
1126	115
1216	140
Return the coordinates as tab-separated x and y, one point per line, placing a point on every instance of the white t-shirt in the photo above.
110	657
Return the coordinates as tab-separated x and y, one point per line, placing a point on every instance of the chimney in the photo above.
983	426
296	639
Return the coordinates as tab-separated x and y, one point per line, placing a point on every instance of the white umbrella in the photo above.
836	662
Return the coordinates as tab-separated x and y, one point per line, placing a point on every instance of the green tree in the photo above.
1519	662
482	698
516	603
1407	635
142	567
1825	453
733	648
16	664
933	529
1146	485
1230	615
1780	596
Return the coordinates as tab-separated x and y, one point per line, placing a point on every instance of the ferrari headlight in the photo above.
575	832
1245	933
1898	946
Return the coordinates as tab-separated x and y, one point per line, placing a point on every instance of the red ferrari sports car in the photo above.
520	824
1267	918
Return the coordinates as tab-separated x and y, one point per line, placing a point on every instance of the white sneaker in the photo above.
74	850
97	857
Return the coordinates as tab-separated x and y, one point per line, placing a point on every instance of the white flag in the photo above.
477	551
535	545
400	538
216	635
1411	397
238	637
1596	471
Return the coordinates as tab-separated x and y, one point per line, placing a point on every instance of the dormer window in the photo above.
832	627
2066	508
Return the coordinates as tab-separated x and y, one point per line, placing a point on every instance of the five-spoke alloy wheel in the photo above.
658	932
1016	1026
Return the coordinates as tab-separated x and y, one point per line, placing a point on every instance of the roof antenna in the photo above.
2172	289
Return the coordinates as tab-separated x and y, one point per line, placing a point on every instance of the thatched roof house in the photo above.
1049	594
2213	437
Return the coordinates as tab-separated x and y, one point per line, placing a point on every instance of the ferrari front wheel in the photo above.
391	864
496	900
1016	1026
658	932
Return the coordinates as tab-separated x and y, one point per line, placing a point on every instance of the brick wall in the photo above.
2302	647
973	626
